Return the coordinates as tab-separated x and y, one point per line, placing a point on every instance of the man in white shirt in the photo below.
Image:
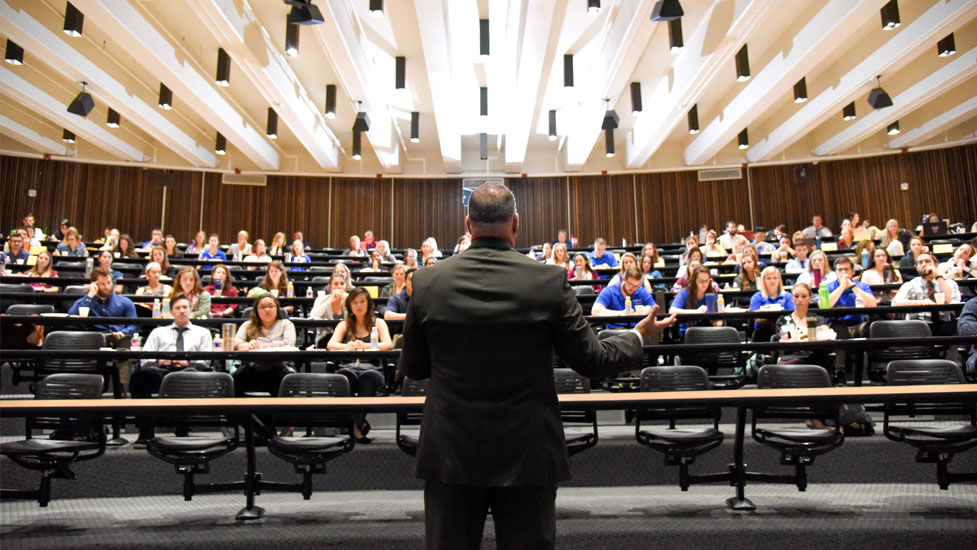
799	263
241	248
728	239
182	335
816	229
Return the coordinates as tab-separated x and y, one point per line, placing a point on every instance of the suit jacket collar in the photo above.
491	242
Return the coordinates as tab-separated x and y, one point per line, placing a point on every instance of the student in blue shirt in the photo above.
213	252
845	291
101	301
612	301
771	296
692	298
600	256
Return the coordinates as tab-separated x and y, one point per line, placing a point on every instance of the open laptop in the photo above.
932	229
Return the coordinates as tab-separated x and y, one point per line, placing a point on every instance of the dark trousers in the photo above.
454	516
142	385
250	378
364	383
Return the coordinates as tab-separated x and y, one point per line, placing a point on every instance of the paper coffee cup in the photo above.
83	311
939	297
274	292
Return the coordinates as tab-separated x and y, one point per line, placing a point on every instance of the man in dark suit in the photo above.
483	326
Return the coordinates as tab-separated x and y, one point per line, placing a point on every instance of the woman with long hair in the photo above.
712	246
278	246
628	260
259	254
880	272
559	256
749	273
329	305
356	333
343	270
771	296
298	255
197	245
267	327
274	282
188	282
818	271
126	247
651	250
158	255
692	298
582	271
648	272
42	269
104	259
691	243
889	239
222	275
169	246
863	253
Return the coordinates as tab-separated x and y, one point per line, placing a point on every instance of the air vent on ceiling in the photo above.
720	174
244	179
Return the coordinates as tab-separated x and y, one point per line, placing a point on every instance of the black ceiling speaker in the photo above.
304	12
802	173
666	10
163	179
878	98
83	102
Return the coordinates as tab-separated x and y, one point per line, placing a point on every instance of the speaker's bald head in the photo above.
490	204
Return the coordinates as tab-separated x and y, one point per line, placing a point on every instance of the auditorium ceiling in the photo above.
128	49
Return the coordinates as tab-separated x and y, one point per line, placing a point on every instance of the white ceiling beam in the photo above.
349	50
694	72
51	47
31	138
812	45
625	39
139	36
233	23
535	51
961	68
930	26
437	60
55	110
950	118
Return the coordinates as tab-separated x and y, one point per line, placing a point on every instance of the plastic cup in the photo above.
939	298
274	292
83	311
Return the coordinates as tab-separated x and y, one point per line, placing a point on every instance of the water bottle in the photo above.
720	303
218	343
865	259
374	338
290	292
823	297
218	287
628	308
166	307
89	265
308	291
156	308
135	343
288	257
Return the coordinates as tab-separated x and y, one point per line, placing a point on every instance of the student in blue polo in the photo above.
612	301
600	256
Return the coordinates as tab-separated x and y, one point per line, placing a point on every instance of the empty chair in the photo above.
309	455
935	444
29	309
583	290
798	446
726	367
568	381
71	340
905	330
191	455
408	442
680	445
10	294
77	438
623	381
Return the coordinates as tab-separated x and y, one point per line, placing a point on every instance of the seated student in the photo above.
967	326
922	290
916	247
692	298
154	287
794	324
847	239
892	238
799	263
376	262
259	254
241	248
410	258
275	282
399	274
760	242
430	260
771	296
691	243
101	301
749	273
818	272
816	229
158	255
784	251
155	239
651	250
267	327
880	273
329	305
222	274
181	335
112	240
278	245
298	256
429	248
728	237
42	268
545	255
368	243
560	257
959	266
297	236
694	258
197	245
847	292
188	282
343	270
354	247
863	254
355	332
600	256
649	273
212	253
104	260
712	247
169	246
613	301
582	271
126	248
16	253
628	260
72	245
397	304
383	247
464	243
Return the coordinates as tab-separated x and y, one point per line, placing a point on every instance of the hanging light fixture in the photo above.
667	10
400	72
360	125
291	40
552	121
878	98
675	41
483	102
635	98
742	64
376	8
330	101
890	15
67	136
415	127
848	112
83	103
271	128
893	128
483	146
14	54
304	12
223	68
694	119
220	145
608	125
568	71
165	97
593	7
743	139
113	119
74	20
483	37
800	90
945	47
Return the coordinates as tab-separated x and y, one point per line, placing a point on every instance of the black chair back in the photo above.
794	376
904	330
302	384
584	290
712	359
29	309
61	340
68	386
924	371
675	378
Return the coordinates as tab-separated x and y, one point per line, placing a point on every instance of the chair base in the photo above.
943	475
250	514
740	504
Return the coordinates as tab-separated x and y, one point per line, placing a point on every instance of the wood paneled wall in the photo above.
657	206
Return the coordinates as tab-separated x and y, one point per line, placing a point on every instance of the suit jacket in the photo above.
483	325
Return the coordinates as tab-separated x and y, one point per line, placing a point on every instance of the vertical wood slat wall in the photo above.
660	207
